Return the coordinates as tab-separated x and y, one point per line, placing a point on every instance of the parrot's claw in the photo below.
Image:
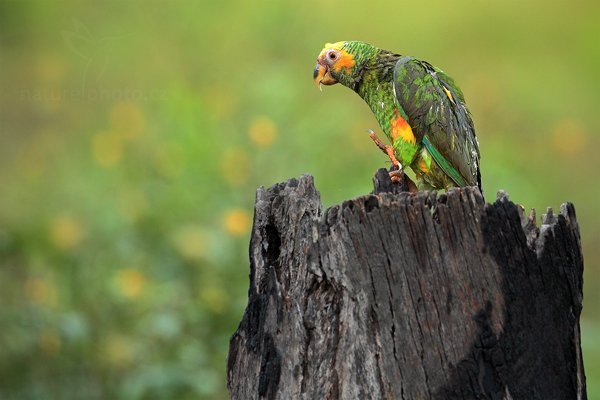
387	149
399	177
397	173
377	141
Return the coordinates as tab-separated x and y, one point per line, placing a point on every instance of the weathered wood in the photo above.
401	296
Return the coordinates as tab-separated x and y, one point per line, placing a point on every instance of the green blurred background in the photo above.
134	134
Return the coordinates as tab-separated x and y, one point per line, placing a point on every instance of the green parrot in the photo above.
419	108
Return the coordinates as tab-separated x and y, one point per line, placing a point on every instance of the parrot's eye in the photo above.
332	56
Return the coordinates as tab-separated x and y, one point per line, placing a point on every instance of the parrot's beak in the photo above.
322	76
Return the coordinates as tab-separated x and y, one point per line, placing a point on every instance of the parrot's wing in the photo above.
436	111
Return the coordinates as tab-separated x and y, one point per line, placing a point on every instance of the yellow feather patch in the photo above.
448	94
335	46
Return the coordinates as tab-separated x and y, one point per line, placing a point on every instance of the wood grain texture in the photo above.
400	296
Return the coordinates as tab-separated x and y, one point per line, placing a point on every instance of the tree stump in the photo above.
408	296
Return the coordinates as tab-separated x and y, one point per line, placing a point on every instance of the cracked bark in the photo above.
400	296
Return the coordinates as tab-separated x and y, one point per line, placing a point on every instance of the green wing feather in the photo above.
436	111
443	163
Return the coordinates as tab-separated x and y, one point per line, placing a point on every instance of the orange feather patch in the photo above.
401	128
346	62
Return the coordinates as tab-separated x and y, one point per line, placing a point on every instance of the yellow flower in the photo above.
569	137
190	242
130	282
222	101
40	291
236	221
117	350
50	69
235	166
262	131
107	148
127	119
66	232
214	298
49	343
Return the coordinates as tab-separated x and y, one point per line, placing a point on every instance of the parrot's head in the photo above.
342	62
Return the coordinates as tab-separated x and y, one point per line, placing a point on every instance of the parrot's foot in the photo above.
397	174
386	148
399	177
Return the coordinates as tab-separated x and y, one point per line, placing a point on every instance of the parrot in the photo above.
419	108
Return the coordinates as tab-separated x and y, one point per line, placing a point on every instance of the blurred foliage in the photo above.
134	134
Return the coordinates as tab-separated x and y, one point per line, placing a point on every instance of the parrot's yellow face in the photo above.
331	62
